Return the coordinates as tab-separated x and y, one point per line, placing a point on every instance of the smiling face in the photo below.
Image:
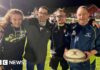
42	14
82	15
15	16
60	17
16	20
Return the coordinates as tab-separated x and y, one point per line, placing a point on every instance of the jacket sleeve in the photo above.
67	36
97	42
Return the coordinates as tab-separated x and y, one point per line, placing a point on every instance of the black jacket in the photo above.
12	46
60	39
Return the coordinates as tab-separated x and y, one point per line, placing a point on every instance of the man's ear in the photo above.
88	14
48	16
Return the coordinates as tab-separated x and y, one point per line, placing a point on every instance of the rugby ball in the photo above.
75	56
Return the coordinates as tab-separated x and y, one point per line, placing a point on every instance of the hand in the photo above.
52	52
1	68
89	54
65	51
93	52
96	24
64	55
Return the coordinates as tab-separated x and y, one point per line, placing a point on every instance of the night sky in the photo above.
28	5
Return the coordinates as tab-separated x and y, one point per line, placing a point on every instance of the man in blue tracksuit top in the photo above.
83	38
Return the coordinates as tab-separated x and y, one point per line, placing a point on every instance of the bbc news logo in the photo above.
3	62
11	62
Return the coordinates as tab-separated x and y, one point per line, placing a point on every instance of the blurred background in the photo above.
28	5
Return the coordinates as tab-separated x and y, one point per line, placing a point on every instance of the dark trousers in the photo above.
30	66
80	66
56	60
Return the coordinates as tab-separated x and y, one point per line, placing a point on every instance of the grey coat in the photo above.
36	46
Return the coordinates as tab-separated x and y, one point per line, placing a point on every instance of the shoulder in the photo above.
8	26
31	20
98	31
49	25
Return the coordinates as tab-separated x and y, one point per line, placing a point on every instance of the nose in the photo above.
82	16
17	22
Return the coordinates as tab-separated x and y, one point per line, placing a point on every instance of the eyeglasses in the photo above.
43	13
60	16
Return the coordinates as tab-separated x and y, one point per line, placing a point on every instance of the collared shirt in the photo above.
42	23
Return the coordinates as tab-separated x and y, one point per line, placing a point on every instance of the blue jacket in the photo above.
83	37
97	41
